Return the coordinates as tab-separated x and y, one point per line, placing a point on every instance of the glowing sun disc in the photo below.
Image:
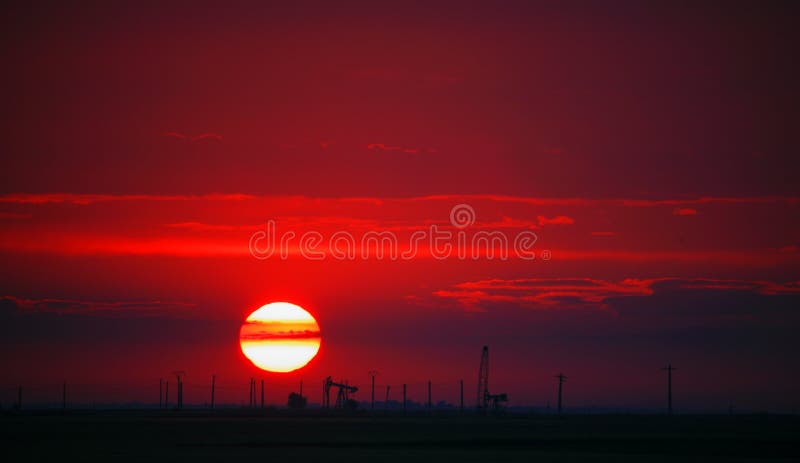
280	337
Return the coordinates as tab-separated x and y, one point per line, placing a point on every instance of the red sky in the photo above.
649	146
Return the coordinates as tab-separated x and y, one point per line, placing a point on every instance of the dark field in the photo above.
227	435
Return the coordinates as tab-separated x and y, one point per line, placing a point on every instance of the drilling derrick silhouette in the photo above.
485	399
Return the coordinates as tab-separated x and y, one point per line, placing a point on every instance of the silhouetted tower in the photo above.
561	379
213	386
262	393
483	380
166	394
386	401
372	375
669	369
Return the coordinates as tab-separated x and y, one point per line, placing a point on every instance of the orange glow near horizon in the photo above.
280	337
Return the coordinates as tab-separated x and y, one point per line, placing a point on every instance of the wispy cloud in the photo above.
203	227
542	292
684	211
194	138
135	224
85	199
557	220
283	335
566	293
402	149
622	202
99	308
299	223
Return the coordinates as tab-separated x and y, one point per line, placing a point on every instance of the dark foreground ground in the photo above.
225	436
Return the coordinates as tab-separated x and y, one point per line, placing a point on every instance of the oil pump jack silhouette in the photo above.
343	400
484	397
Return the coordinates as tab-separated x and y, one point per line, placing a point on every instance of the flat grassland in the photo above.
228	435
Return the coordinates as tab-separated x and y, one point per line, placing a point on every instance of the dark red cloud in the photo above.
561	293
125	309
194	138
684	211
557	220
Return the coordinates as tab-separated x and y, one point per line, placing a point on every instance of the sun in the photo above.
280	337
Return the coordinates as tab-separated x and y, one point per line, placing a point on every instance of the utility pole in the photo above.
262	393
561	379
179	377
430	404
166	394
213	385
461	382
404	399
373	374
483	381
669	369
386	401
